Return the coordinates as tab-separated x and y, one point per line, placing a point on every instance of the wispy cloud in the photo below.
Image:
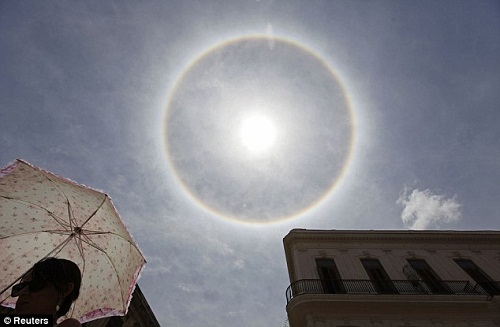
424	209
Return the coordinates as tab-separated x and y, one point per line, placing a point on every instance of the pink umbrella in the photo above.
44	215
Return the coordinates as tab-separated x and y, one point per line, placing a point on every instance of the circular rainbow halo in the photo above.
258	132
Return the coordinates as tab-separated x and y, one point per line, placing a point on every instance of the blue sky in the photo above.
385	115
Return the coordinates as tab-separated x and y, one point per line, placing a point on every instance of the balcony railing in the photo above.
400	287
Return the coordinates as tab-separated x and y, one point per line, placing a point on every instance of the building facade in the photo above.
341	278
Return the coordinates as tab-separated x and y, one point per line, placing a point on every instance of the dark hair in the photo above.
60	272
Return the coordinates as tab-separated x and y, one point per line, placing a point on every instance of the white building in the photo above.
393	278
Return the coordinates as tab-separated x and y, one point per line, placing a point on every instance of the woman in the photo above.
50	287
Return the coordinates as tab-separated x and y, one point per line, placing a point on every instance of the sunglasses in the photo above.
34	285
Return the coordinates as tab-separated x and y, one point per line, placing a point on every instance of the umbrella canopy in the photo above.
44	215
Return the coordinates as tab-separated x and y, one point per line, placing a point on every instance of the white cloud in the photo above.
424	209
239	264
185	288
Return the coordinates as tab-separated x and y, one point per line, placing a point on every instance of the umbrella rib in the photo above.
70	213
58	248
89	232
95	211
91	243
78	241
70	209
51	214
87	240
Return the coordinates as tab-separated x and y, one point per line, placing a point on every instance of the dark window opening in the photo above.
479	276
329	275
428	276
378	276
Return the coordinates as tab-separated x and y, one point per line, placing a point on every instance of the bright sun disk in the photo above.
257	133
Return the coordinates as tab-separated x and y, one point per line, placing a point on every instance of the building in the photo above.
341	278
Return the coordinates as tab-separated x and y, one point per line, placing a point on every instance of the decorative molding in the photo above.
407	237
301	247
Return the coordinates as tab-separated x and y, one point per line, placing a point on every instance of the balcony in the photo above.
397	287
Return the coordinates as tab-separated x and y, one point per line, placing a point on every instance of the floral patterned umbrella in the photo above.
44	215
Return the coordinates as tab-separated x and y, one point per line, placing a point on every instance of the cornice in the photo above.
304	235
301	236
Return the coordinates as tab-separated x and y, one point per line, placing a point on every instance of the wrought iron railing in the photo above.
401	287
490	287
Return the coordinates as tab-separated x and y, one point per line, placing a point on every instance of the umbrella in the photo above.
44	215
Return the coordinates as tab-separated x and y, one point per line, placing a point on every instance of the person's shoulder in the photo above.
70	322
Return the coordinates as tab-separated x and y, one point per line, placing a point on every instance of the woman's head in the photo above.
51	284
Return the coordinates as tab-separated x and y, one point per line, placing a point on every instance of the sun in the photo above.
258	133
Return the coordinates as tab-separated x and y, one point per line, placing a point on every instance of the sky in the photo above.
216	127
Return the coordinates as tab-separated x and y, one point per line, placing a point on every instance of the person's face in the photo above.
43	301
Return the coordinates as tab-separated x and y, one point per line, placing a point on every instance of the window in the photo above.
378	276
329	275
479	276
429	277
